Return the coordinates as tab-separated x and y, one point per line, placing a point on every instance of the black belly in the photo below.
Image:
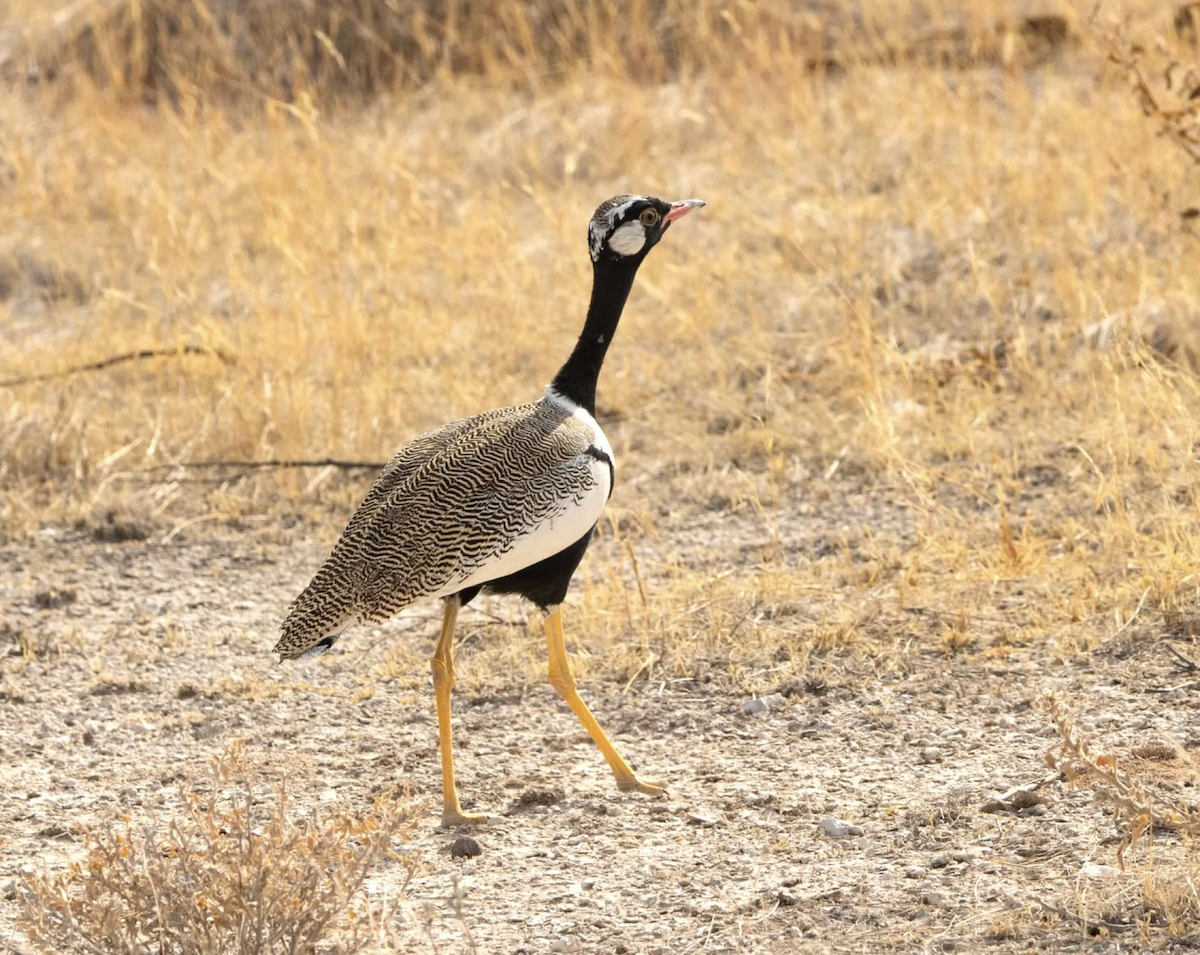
544	583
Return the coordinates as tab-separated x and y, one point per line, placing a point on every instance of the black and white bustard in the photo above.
504	501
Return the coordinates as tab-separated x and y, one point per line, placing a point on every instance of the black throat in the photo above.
611	282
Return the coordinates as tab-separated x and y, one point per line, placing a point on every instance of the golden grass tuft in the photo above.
233	872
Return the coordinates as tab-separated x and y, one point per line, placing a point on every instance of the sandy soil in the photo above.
126	665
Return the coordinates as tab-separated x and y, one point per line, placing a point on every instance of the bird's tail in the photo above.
313	624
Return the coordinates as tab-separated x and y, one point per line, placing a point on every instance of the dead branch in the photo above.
271	463
1113	927
1179	123
1186	663
119	359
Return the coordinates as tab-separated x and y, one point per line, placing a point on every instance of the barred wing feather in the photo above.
476	500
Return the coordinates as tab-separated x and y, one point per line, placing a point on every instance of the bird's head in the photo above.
625	228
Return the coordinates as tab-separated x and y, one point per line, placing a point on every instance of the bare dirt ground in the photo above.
126	666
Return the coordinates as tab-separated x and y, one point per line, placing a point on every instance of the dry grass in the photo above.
1155	895
896	269
232	872
300	51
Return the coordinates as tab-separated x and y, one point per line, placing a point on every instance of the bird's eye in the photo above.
649	217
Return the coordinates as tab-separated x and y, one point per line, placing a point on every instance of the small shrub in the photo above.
233	873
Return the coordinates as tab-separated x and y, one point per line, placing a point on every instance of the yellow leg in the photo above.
564	683
442	665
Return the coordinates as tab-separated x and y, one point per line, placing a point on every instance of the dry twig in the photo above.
117	360
1126	794
1179	122
270	463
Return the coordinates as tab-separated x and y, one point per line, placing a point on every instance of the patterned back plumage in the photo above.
447	504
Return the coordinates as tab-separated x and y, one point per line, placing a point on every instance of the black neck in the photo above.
576	380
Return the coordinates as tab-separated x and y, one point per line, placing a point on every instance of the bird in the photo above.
504	502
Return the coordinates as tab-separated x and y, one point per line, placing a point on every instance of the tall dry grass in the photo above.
298	50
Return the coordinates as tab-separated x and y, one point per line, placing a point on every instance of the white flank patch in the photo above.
559	532
629	239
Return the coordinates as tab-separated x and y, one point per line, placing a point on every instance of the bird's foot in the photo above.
456	817
641	784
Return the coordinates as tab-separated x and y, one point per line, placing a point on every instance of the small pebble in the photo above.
913	872
839	828
786	898
696	819
764	704
1024	798
1038	810
931	754
939	861
961	856
464	847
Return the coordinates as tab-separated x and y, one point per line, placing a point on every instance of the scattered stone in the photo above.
764	704
1093	870
464	847
52	598
961	856
117	687
1035	810
115	530
839	828
698	819
539	797
785	897
931	754
1027	798
933	899
939	861
914	872
996	805
207	729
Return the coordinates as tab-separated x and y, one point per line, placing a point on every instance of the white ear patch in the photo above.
629	239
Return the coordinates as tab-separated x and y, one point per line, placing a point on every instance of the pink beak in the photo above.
680	209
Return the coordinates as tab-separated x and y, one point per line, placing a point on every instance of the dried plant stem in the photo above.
118	360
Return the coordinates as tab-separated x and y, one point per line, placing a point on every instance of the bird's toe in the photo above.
641	784
451	819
